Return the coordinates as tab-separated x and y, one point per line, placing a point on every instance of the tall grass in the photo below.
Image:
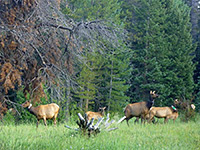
178	136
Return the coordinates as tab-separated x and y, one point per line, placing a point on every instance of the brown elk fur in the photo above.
184	104
140	109
49	111
96	115
163	112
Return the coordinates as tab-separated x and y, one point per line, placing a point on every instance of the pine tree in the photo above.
109	66
147	38
87	89
180	49
162	48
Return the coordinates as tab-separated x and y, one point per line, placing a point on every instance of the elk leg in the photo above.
45	123
37	122
150	118
174	120
127	122
54	119
153	120
137	120
142	120
166	120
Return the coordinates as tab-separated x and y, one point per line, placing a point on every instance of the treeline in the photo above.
159	55
112	53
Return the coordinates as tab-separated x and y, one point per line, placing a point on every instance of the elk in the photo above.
49	111
140	109
96	115
163	112
185	104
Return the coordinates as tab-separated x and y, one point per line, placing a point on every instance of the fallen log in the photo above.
86	127
122	119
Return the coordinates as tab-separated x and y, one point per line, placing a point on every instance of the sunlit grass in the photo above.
183	136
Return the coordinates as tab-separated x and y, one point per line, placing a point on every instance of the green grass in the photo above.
178	136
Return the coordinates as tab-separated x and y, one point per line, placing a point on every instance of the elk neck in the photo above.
30	106
150	102
173	109
31	109
102	112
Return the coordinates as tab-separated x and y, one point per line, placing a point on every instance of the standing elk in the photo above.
163	112
140	109
49	111
96	115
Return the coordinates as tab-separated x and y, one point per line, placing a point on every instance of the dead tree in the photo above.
39	45
87	127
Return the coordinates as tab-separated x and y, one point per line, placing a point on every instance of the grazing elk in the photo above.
49	111
163	112
187	108
184	104
140	109
96	115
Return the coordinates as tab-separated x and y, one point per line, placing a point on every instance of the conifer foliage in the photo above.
162	49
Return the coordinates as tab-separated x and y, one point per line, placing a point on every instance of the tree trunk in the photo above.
67	114
110	91
194	15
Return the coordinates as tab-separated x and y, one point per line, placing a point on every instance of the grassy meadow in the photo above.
178	136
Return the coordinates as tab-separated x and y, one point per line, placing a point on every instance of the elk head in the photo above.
27	104
153	94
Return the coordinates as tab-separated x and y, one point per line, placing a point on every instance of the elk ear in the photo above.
150	92
104	108
154	92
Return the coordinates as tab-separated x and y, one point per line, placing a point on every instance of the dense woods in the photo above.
86	54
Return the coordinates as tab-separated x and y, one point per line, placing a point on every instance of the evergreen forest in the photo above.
86	54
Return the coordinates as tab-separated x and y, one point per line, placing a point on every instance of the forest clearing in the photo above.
133	59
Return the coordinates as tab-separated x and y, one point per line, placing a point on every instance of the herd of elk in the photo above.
140	109
49	111
96	115
143	110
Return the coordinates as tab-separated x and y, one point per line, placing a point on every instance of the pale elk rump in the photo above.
96	115
49	111
193	106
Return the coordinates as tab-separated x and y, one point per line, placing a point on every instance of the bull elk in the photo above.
163	112
140	109
49	111
96	115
